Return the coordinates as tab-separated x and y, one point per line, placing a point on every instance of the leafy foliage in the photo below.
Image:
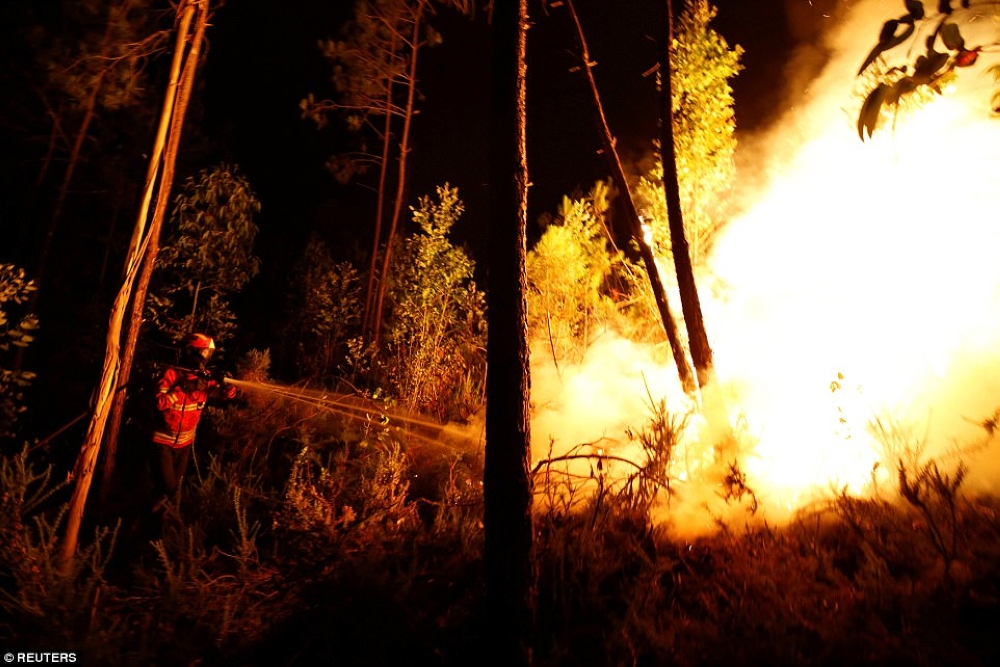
365	64
208	254
112	41
14	291
360	496
566	272
93	67
704	133
931	68
435	333
37	591
370	76
325	311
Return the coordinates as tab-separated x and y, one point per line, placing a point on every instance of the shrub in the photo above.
353	497
14	292
566	272
704	134
43	599
436	328
325	312
207	255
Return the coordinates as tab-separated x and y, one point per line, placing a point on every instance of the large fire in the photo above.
858	292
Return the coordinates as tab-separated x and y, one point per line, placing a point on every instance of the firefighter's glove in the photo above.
230	390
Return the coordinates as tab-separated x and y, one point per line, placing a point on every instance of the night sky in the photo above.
264	59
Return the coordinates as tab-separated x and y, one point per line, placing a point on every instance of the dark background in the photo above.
262	59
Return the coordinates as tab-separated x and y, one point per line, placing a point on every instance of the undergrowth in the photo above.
343	547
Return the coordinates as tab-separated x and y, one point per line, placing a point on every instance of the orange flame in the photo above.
861	287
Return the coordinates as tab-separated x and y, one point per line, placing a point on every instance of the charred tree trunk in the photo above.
701	352
717	428
83	471
510	582
618	174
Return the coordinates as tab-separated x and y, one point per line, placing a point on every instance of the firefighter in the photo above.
182	394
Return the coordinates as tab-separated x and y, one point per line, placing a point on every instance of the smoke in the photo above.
856	295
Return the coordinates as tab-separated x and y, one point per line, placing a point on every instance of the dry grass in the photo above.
344	559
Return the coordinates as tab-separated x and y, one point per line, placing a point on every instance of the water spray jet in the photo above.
362	409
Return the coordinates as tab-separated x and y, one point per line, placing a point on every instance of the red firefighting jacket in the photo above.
180	401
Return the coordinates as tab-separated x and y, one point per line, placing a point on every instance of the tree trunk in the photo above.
194	305
510	582
55	135
83	471
635	224
366	322
717	430
172	130
404	149
89	108
701	352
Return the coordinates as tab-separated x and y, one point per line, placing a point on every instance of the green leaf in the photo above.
915	9
928	65
888	31
951	37
902	87
888	39
870	110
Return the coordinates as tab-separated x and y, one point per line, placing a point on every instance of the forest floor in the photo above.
356	553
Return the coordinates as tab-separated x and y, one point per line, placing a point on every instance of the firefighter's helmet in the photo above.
200	345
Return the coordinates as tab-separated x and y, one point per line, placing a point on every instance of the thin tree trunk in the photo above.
89	106
83	471
194	304
648	259
510	580
108	246
54	135
404	149
173	132
717	428
701	352
74	158
366	322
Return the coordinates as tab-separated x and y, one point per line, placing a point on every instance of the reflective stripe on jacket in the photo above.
180	411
